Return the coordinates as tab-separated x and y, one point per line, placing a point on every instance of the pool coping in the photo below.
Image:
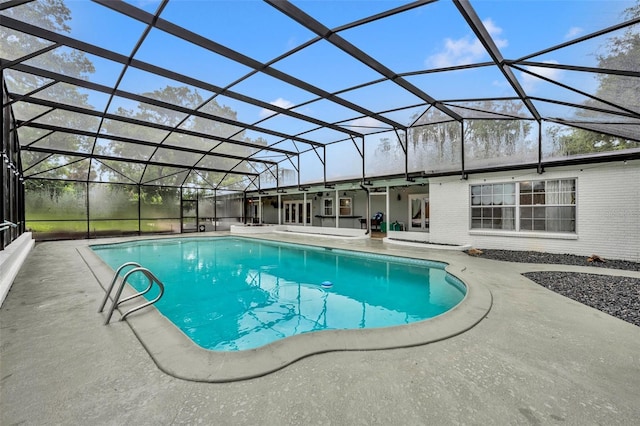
177	355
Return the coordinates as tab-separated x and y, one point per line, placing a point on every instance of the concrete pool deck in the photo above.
536	358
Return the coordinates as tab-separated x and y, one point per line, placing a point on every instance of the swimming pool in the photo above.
233	294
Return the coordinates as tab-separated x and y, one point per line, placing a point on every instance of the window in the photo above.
327	207
493	206
548	206
542	205
345	206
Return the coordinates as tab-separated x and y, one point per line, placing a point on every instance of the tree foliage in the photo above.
621	52
435	138
52	15
188	98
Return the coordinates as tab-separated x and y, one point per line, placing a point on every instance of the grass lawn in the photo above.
102	226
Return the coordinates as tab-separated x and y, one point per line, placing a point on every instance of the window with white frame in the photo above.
540	205
327	207
344	206
548	205
493	206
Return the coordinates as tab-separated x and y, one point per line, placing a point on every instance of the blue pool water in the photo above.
231	294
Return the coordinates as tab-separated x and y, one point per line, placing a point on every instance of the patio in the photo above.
537	358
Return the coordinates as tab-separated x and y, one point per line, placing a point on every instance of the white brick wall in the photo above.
608	212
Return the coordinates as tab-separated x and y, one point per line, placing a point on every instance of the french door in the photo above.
255	212
418	212
295	214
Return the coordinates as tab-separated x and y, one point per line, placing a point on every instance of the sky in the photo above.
432	36
429	37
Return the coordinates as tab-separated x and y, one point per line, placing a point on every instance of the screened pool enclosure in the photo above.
172	116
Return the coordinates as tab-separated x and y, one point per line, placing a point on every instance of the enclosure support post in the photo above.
279	209
540	168
406	154
215	209
87	203
386	212
22	214
244	207
363	163
368	214
139	210
464	173
304	208
336	207
198	209
22	205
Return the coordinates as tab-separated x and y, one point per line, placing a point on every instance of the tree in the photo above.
436	139
437	135
51	15
177	161
621	53
49	198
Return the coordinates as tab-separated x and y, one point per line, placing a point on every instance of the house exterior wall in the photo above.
270	209
397	208
607	212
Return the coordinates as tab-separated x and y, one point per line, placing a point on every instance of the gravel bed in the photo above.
561	259
616	296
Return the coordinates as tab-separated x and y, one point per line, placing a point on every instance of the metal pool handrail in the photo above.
113	282
6	225
116	302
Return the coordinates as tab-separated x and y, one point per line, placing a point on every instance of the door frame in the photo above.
424	212
302	217
183	203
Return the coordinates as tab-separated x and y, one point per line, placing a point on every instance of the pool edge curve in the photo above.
177	355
